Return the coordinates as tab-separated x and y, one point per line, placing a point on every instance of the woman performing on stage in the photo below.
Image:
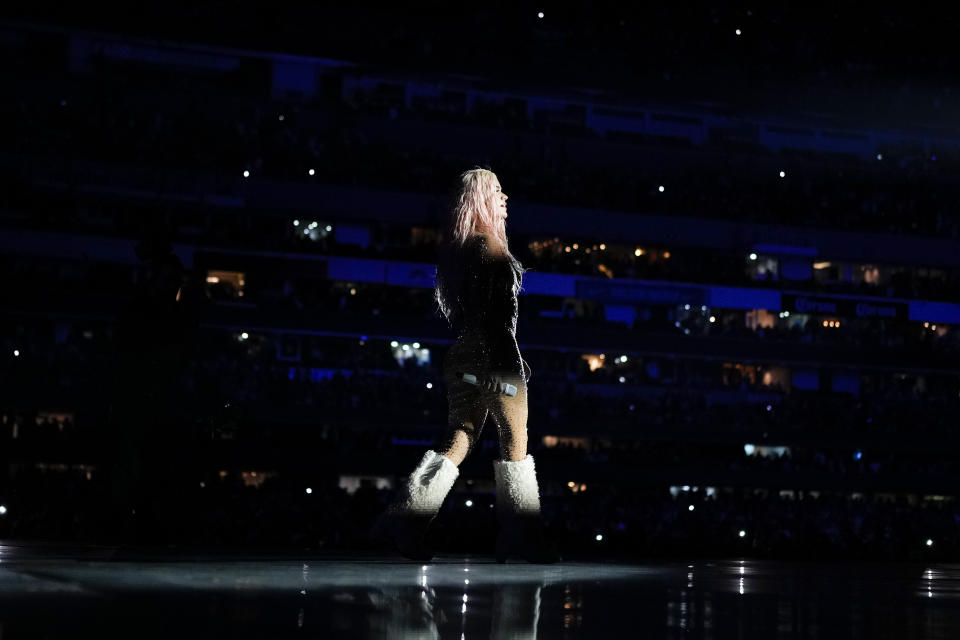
477	284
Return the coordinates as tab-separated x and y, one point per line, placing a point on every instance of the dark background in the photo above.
219	224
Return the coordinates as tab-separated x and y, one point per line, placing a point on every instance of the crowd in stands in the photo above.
538	314
249	230
230	136
604	519
317	379
858	332
286	295
836	59
239	389
139	370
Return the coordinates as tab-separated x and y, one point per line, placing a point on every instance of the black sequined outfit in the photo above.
479	297
483	311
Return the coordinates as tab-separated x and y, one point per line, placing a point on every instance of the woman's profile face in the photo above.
498	199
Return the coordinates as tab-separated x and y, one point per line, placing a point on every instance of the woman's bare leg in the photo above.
466	423
510	414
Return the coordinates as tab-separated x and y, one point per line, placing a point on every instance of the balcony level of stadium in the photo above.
754	183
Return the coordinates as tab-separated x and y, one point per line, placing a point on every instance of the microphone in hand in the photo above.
489	383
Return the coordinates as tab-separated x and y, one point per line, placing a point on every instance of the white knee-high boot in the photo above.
417	503
518	511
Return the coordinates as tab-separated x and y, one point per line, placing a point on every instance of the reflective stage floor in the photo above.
48	592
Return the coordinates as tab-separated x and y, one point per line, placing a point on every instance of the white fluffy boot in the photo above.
405	521
518	511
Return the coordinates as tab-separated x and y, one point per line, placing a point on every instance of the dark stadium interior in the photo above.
218	233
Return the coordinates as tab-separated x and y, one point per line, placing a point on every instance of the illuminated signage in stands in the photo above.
624	291
846	307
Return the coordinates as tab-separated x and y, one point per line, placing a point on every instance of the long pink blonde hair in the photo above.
473	211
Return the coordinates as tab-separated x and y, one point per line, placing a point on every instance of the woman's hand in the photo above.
490	383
